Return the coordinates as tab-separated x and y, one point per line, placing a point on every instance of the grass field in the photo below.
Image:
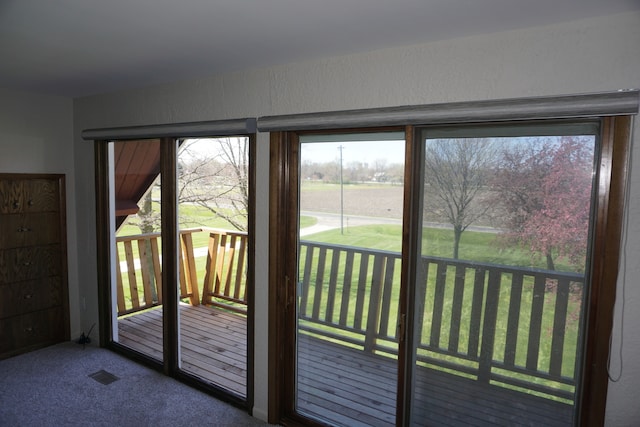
474	246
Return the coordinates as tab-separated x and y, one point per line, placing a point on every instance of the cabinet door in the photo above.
31	330
11	196
29	195
41	195
31	295
19	230
29	263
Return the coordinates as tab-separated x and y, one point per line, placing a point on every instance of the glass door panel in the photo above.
135	218
350	222
213	198
501	284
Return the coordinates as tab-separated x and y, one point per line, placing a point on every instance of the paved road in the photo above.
331	221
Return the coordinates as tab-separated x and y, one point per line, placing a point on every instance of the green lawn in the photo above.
474	246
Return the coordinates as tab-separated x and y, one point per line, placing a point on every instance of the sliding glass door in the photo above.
457	292
349	263
501	273
136	287
213	215
180	217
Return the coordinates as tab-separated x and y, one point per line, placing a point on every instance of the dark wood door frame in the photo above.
605	255
170	271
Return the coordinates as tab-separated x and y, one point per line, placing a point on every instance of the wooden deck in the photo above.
441	399
340	385
213	343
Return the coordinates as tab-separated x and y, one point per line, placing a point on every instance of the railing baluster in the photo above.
489	326
191	275
144	268
210	272
513	320
131	274
306	279
346	290
230	258
333	279
535	324
559	327
373	313
476	311
182	279
362	290
438	304
157	269
239	292
317	295
456	308
421	295
220	257
387	288
119	290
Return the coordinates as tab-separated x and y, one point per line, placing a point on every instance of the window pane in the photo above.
351	192
501	281
213	198
136	288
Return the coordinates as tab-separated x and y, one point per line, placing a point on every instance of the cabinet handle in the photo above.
28	296
15	204
27	263
23	229
30	202
29	329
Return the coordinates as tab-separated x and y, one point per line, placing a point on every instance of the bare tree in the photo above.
217	178
456	170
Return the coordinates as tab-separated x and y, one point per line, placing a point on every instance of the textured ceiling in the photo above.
82	47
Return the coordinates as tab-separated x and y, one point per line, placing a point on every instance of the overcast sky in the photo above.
358	151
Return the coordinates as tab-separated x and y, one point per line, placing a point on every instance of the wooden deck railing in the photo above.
225	273
514	326
139	283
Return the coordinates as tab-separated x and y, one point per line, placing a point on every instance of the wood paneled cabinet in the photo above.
34	301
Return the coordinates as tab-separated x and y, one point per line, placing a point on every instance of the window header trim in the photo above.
623	102
176	130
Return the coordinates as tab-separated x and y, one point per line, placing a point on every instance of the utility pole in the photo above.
341	147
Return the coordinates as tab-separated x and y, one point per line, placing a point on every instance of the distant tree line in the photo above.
353	172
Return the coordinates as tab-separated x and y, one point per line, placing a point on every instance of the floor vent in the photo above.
104	377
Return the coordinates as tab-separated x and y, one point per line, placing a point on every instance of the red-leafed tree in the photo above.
544	186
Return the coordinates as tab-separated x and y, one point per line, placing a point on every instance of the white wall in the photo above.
36	136
579	57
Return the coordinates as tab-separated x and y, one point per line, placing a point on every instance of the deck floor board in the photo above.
338	384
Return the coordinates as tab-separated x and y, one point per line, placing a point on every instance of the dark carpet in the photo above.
66	385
